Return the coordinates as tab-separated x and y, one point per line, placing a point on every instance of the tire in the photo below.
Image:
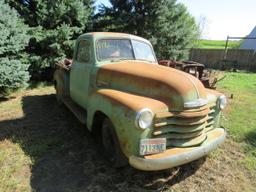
110	144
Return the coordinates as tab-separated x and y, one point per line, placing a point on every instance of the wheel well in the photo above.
98	119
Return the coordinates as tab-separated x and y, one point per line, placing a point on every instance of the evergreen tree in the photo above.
54	26
13	39
166	23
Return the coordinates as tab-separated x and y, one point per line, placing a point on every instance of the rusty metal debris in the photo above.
65	64
209	78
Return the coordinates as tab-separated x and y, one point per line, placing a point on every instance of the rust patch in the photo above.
193	114
164	115
183	114
169	152
158	73
215	134
152	80
134	102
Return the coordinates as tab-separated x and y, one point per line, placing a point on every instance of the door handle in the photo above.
102	83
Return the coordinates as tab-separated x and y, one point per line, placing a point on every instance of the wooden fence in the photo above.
235	58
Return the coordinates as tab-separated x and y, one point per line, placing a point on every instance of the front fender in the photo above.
121	108
212	97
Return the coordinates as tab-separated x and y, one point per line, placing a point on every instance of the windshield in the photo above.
124	49
143	51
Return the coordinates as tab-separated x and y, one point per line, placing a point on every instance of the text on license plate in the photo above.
152	146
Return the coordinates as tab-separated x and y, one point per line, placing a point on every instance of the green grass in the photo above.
240	116
216	44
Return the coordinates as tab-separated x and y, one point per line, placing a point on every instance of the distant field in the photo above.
216	44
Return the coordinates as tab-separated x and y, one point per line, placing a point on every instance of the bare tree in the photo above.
203	24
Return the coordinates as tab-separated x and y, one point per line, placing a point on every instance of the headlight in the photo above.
222	102
144	118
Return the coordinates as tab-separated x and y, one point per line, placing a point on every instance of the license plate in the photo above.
152	146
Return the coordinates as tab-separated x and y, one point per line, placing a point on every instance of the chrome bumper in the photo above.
178	156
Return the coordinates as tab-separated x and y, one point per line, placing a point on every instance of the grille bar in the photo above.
179	129
181	135
182	121
186	142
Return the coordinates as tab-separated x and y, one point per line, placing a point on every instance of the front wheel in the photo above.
112	150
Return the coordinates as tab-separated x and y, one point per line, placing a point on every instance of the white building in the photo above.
249	43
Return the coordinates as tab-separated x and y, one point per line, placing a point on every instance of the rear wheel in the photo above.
112	150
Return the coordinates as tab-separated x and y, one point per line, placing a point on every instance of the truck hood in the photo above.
173	87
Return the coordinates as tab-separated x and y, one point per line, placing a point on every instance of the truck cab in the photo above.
145	114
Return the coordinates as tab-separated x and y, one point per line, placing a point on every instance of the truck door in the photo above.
80	72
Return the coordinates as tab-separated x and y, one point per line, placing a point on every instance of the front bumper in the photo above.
178	156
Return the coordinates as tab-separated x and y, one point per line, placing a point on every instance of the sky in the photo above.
220	18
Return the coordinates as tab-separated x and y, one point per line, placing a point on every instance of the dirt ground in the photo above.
64	156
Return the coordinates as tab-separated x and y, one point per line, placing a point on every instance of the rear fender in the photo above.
61	79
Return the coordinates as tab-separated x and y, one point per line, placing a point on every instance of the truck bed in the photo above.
64	64
61	77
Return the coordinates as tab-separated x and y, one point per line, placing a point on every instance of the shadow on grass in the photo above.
37	84
251	138
2	98
65	156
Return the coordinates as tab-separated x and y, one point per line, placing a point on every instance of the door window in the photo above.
83	52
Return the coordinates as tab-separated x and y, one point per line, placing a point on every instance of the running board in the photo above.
78	111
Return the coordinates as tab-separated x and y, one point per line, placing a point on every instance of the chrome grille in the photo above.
186	128
210	120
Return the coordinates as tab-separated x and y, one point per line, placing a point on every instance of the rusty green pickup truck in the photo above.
144	114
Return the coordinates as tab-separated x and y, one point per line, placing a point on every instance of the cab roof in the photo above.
101	35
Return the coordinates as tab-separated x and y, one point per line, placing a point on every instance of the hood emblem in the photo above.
196	103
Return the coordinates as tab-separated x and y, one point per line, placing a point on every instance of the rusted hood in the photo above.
166	84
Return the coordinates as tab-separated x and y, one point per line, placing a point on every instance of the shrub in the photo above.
13	75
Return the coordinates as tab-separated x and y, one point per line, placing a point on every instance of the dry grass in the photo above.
44	148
